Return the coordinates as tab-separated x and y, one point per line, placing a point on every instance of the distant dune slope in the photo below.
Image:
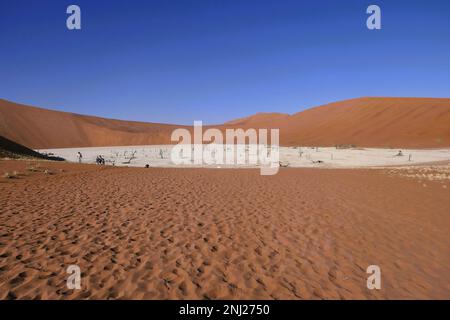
41	128
364	122
374	122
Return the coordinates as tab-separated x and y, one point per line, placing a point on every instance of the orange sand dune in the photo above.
365	122
262	119
368	122
41	128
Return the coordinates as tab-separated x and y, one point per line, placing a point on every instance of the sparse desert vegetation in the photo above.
436	173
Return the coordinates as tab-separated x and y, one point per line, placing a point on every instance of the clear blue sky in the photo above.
216	60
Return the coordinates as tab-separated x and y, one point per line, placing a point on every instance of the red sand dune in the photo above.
41	128
365	122
262	119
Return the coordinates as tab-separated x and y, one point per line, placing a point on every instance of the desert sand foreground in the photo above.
162	233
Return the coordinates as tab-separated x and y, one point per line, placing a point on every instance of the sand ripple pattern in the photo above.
223	234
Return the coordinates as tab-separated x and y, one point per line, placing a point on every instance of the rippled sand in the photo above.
220	234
